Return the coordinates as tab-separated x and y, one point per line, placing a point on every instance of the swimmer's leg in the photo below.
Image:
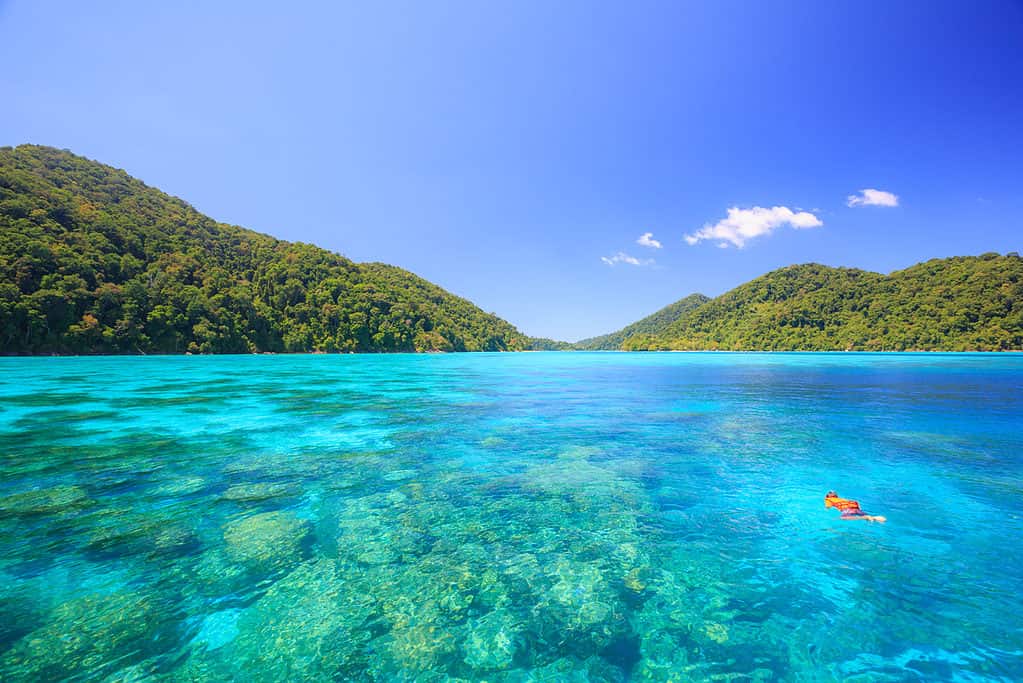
860	514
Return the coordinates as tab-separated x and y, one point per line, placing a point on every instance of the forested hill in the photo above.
653	324
952	304
94	261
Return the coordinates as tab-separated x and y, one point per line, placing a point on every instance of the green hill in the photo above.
94	261
652	325
952	304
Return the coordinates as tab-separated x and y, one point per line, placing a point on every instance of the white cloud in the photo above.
622	257
647	240
742	225
872	198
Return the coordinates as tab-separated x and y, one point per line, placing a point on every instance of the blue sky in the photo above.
515	152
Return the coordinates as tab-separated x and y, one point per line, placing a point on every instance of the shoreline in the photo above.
465	353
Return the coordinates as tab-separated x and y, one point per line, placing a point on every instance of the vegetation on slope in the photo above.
546	344
652	325
94	261
953	304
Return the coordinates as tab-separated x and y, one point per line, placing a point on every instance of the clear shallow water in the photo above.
516	517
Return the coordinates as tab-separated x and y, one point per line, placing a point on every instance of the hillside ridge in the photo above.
654	323
959	303
93	260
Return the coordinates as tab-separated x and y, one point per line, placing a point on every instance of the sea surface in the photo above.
511	517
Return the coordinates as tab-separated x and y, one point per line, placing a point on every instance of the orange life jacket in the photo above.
841	503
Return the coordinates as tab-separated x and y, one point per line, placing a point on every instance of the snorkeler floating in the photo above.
849	508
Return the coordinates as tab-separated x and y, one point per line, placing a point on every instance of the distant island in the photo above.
93	261
971	303
652	325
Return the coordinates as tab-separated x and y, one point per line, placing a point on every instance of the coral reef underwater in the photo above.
487	529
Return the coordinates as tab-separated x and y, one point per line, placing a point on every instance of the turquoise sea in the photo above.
511	517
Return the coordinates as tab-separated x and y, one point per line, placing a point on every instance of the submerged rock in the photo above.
174	539
246	493
365	534
87	635
663	657
48	501
115	530
492	592
182	486
635	580
216	576
583	599
588	485
492	641
269	541
570	670
716	632
419	647
399	475
310	625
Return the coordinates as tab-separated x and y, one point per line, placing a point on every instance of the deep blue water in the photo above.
511	517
